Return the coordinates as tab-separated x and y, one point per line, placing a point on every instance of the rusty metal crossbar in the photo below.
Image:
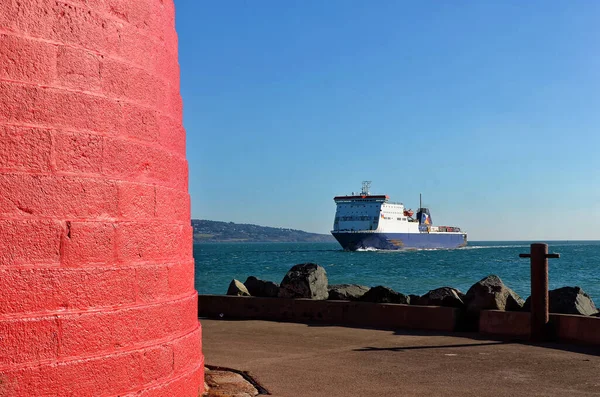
540	315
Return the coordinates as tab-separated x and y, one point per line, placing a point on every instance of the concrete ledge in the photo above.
577	329
564	327
364	314
500	323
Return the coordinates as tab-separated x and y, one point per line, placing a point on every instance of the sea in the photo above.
409	272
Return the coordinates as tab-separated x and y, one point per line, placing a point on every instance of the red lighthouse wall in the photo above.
96	267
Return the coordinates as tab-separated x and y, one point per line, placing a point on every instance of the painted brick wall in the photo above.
96	267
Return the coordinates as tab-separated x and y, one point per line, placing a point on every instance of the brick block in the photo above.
27	242
179	312
171	134
25	290
28	339
87	243
96	332
189	384
187	350
152	282
127	159
57	196
78	152
27	60
84	26
121	80
152	241
99	376
181	277
24	149
172	204
140	123
136	200
77	68
58	108
157	363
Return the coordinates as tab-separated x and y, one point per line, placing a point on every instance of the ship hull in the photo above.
352	241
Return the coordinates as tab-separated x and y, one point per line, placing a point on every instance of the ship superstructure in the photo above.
371	221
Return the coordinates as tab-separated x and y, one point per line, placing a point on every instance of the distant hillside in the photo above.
214	231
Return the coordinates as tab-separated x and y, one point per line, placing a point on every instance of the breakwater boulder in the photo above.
568	300
306	280
261	288
445	296
347	292
381	294
236	288
490	293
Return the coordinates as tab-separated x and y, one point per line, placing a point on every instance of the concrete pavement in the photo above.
292	359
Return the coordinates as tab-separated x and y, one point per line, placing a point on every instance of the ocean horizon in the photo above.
408	272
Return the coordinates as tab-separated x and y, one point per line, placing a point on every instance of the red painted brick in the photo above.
51	289
28	339
172	204
27	242
181	319
78	152
126	158
88	242
94	332
95	287
153	282
107	375
157	363
57	196
24	149
123	81
136	160
171	135
59	108
32	17
140	123
28	290
181	277
77	68
26	59
82	26
187	349
136	200
190	384
135	244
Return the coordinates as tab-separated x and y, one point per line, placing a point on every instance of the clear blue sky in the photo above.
491	109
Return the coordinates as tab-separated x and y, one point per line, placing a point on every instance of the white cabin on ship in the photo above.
372	213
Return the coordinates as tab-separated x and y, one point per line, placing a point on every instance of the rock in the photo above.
445	296
568	300
414	299
261	288
347	292
306	280
381	294
224	383
491	294
236	288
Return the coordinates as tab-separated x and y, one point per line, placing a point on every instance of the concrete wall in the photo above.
562	327
363	314
96	267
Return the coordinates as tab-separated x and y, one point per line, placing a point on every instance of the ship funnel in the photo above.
366	187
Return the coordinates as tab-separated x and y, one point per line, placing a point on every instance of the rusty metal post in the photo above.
540	315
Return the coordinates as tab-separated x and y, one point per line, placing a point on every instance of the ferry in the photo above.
366	221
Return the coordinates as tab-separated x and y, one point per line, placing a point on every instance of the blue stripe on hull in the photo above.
395	241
